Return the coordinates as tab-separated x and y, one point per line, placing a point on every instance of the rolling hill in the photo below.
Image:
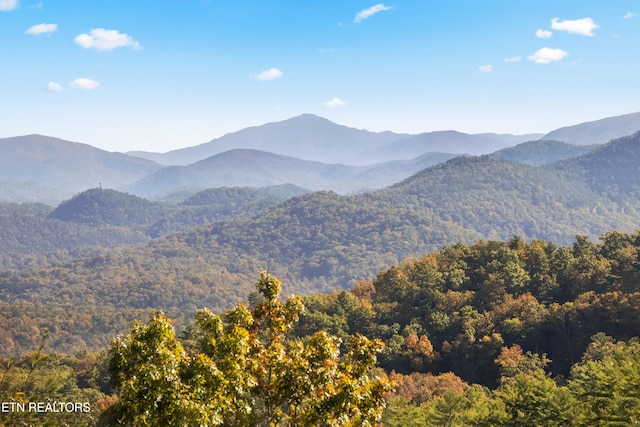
67	166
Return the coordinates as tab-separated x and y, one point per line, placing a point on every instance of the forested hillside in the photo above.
543	152
483	333
317	242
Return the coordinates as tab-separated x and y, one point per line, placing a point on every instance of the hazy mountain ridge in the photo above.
598	131
253	168
443	141
307	137
29	162
541	152
67	166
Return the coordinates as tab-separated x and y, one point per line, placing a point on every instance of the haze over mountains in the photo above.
597	132
206	251
114	256
53	164
307	150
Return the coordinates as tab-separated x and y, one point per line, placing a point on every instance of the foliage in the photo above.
74	387
243	371
541	152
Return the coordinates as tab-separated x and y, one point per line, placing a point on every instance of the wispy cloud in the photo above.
629	15
547	55
266	75
486	68
84	83
54	87
335	103
42	29
584	26
8	5
513	59
102	39
544	34
364	14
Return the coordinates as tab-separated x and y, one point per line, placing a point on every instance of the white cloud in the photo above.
547	55
102	39
629	15
364	14
513	59
335	103
8	4
485	68
544	34
266	75
83	83
54	87
42	29
584	26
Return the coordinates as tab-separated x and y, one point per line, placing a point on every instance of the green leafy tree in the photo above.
534	399
244	372
606	382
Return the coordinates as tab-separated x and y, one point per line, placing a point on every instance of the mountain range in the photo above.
112	255
307	150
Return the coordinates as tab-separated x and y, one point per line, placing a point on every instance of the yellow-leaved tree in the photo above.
243	372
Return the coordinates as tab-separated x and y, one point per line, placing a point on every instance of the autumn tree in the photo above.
244	372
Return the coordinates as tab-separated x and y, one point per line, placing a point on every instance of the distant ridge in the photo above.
306	137
254	168
309	137
449	141
599	131
67	166
542	152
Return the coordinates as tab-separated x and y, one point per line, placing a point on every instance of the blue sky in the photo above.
158	75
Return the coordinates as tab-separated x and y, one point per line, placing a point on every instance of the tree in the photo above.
606	382
534	399
244	372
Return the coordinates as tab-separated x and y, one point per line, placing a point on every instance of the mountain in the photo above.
253	168
306	137
100	207
67	166
241	168
441	141
599	131
610	170
542	152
